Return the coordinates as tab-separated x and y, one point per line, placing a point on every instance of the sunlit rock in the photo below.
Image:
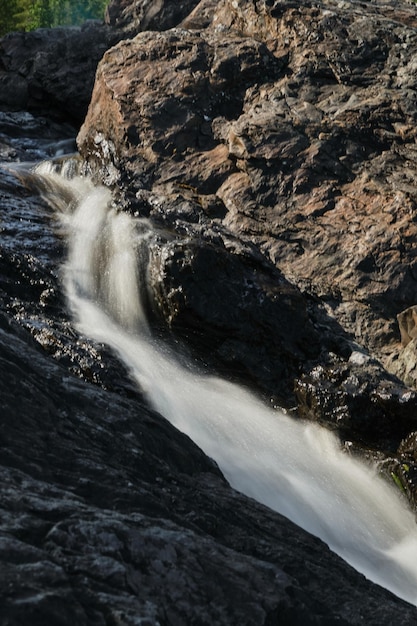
293	127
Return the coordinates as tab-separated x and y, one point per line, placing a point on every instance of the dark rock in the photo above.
102	500
228	303
51	71
365	405
108	513
28	138
401	468
284	135
134	17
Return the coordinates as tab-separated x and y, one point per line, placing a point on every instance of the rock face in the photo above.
341	197
274	150
290	129
108	514
51	72
226	300
301	120
133	17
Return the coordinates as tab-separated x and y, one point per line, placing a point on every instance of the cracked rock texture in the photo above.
109	515
273	146
280	135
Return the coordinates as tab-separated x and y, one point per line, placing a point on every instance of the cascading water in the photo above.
292	467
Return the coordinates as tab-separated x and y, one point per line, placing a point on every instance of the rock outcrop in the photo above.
109	515
286	131
301	121
51	71
273	146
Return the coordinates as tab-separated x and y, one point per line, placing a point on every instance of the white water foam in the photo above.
292	467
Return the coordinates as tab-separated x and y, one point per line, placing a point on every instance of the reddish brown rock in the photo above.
307	138
291	128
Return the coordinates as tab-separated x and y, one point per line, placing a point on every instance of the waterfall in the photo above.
292	467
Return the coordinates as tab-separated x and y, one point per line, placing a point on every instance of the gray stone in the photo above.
51	71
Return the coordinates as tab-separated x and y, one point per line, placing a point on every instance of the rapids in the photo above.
295	468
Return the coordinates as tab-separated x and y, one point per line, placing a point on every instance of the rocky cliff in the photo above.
278	141
274	142
109	515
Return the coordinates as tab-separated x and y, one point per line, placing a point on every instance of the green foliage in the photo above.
8	10
397	481
30	14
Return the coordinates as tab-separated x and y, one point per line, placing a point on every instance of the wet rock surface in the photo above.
360	403
273	145
230	301
110	515
32	248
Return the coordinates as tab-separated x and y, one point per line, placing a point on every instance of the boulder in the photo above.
289	128
51	71
359	400
234	309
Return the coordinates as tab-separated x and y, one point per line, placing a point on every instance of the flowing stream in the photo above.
292	467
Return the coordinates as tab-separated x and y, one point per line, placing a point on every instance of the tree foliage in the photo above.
30	14
8	10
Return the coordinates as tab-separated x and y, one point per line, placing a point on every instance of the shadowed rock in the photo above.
51	71
108	513
134	17
275	152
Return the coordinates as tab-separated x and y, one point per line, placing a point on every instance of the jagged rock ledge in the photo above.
279	138
108	514
263	156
